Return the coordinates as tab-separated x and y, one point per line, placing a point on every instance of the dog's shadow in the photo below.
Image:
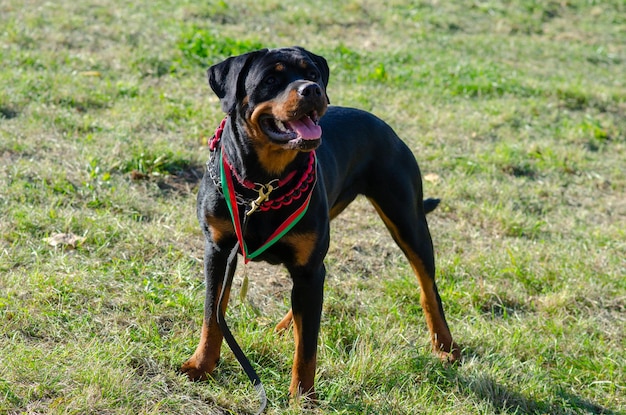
482	388
505	400
183	181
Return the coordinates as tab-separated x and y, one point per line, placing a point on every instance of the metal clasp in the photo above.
264	194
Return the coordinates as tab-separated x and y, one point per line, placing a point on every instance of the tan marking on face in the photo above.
282	109
273	157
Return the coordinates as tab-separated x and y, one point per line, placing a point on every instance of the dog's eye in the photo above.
270	80
313	75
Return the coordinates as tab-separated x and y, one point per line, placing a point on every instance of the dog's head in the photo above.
279	93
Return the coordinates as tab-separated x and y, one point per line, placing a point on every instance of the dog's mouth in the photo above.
299	133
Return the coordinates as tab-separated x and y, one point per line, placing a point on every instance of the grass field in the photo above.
516	111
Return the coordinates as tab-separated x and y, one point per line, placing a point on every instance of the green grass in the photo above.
515	110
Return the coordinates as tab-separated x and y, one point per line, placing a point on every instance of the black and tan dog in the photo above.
291	163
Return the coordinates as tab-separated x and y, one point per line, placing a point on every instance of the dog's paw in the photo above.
450	357
305	400
285	323
194	370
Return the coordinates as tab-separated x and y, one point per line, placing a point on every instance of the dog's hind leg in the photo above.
398	201
285	322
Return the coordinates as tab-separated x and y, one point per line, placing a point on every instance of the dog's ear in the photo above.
227	78
321	64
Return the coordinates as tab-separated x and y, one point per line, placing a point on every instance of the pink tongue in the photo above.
306	128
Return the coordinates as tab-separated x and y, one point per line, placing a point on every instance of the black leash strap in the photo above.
228	336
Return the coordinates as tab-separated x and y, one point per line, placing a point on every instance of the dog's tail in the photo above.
430	204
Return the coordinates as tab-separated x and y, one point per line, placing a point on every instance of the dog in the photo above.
285	162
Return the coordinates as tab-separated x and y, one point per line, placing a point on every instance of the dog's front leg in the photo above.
207	354
306	301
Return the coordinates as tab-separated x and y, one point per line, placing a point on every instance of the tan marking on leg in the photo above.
303	371
219	227
303	245
337	209
441	338
440	335
284	324
207	354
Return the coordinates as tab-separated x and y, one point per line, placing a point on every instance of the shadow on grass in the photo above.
180	181
174	173
8	112
505	400
150	371
183	181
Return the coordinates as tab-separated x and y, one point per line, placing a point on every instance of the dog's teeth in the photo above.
313	116
280	125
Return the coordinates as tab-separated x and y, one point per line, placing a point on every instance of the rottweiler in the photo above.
285	162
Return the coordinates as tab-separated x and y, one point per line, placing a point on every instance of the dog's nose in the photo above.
310	89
